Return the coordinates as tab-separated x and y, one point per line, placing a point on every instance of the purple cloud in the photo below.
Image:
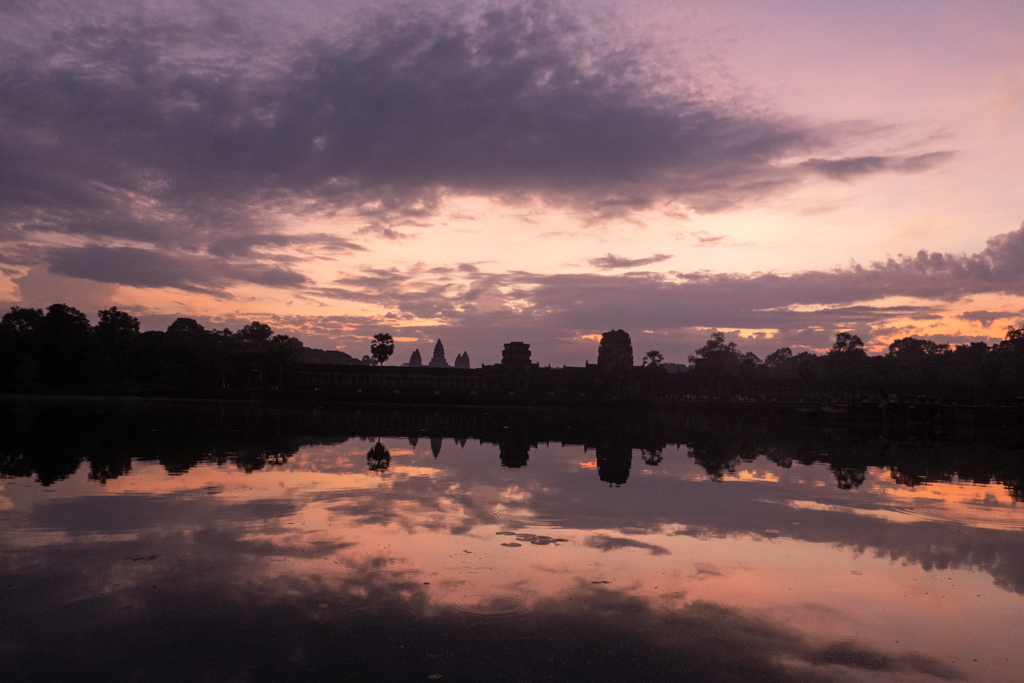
147	268
612	262
183	135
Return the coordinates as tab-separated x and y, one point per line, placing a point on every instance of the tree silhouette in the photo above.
715	352
68	345
716	365
908	347
778	358
653	456
118	333
848	478
749	364
19	345
382	347
653	358
255	332
117	326
185	327
378	458
847	343
60	348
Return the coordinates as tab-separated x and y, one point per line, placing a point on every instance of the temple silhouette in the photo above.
61	351
517	376
438	360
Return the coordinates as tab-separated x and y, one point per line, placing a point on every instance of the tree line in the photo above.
60	348
910	367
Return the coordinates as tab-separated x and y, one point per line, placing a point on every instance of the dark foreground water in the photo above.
159	541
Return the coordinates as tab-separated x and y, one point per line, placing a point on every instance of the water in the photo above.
160	541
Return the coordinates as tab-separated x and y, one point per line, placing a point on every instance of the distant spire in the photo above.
438	360
462	360
416	360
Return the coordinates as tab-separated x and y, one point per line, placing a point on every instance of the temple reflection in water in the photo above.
500	544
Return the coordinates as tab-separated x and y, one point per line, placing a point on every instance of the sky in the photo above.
484	172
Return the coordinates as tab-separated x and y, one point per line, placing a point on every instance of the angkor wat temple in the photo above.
517	375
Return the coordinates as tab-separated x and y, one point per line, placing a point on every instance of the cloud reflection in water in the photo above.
319	564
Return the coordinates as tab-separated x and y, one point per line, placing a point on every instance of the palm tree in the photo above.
378	458
654	358
382	347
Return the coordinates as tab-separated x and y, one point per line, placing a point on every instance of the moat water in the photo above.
169	541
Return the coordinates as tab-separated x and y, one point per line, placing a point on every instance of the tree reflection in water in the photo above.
50	439
378	458
182	524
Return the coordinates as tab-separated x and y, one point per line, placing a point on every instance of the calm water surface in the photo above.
161	542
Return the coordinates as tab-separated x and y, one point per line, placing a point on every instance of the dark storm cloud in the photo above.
184	134
611	261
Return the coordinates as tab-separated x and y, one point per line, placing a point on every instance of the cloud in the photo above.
850	654
986	318
220	540
851	167
566	304
39	288
207	130
706	240
806	308
135	267
611	261
606	543
246	245
178	145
